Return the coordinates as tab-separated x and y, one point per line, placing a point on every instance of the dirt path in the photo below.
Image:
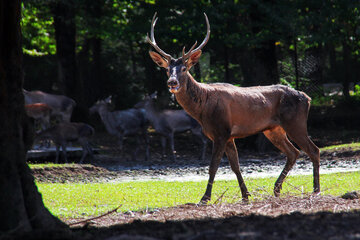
107	168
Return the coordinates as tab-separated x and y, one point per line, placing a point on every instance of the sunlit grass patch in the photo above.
54	165
353	146
84	200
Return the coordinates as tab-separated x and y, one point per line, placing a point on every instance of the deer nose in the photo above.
172	82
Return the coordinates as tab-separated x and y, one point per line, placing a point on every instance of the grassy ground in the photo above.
84	200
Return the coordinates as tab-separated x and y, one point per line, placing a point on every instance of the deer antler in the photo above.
191	51
153	42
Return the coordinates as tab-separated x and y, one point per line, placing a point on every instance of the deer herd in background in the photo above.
133	122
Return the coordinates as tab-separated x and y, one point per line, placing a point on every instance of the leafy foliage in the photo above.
110	39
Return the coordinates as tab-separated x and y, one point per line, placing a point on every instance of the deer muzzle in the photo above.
173	85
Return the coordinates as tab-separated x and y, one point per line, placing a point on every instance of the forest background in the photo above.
88	50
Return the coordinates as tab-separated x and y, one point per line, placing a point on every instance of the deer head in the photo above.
101	104
176	69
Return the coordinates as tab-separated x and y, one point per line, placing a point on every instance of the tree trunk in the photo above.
262	58
21	206
226	64
65	31
346	69
259	66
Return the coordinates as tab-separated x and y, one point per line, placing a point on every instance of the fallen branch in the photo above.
93	218
221	196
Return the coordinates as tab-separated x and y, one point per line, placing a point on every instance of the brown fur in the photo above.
40	112
226	112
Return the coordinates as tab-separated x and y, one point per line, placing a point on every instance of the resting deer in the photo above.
226	112
66	132
123	123
60	105
169	122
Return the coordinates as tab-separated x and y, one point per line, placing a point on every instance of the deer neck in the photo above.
151	113
107	118
191	96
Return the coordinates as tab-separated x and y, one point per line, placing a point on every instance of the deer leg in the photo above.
83	154
172	145
198	132
163	145
120	143
232	155
217	153
138	142
63	147
147	145
278	137
84	145
204	141
303	141
57	153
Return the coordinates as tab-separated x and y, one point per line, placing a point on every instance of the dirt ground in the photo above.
287	217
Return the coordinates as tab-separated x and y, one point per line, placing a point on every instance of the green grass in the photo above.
52	165
84	200
353	146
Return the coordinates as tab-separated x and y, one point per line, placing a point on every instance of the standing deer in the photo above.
226	112
169	122
66	132
123	123
61	105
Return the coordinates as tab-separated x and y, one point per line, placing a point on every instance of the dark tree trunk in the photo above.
330	48
133	60
93	52
226	64
21	206
154	79
95	82
65	30
262	58
267	63
259	66
346	69
84	68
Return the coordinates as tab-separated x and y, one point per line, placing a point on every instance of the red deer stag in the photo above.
227	112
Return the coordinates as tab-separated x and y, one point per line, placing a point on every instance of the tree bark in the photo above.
65	32
346	69
21	206
259	66
262	59
226	64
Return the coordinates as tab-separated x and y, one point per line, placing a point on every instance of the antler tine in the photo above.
206	39
185	55
153	42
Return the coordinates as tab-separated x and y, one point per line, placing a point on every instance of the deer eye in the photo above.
183	69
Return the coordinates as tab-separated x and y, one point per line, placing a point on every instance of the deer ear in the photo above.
193	59
159	60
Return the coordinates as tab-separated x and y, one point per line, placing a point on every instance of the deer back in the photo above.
58	103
